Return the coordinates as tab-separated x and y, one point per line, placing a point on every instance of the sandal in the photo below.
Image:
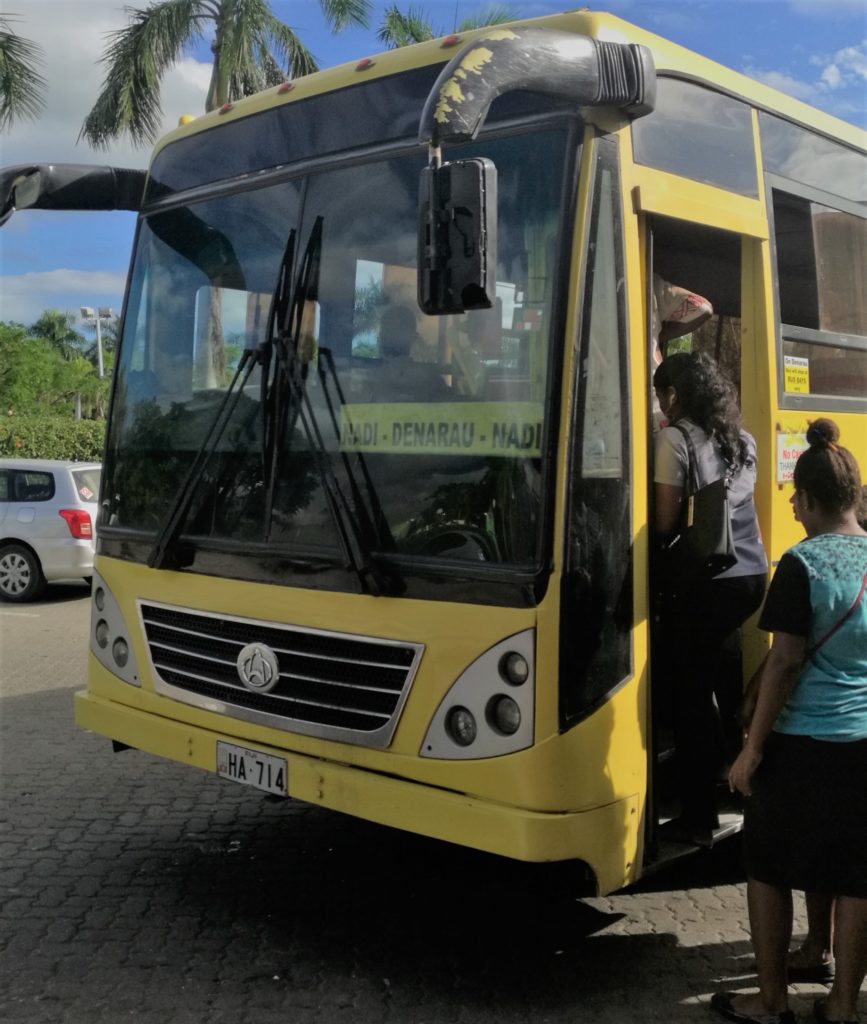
820	1012
821	973
722	1003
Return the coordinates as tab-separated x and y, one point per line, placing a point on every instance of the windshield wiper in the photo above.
290	403
374	520
164	552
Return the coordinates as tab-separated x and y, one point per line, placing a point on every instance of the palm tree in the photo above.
399	29
252	49
21	86
56	328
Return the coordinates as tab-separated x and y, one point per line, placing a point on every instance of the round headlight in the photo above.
514	668
505	715
461	726
99	598
101	633
120	652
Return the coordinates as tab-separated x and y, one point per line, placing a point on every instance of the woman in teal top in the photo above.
803	768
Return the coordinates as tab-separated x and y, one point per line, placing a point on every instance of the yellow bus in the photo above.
374	521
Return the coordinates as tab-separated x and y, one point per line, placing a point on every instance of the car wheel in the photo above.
21	577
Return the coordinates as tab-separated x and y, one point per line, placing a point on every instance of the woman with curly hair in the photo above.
697	622
803	769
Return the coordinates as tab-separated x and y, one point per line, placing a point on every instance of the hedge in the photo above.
51	437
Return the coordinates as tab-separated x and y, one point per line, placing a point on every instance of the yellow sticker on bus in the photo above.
443	428
796	371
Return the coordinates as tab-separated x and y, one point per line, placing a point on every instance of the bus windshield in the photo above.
439	423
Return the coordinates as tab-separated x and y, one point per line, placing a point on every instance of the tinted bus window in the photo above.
799	155
699	134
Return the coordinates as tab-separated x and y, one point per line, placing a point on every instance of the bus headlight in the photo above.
100	633
514	668
120	652
489	710
461	726
110	634
505	715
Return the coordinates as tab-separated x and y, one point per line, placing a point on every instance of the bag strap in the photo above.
692	472
840	622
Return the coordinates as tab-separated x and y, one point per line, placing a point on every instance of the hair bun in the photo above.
823	432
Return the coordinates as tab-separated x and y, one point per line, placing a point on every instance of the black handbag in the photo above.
703	547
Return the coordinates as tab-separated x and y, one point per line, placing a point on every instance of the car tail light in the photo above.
78	522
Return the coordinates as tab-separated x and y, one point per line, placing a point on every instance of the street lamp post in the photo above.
95	316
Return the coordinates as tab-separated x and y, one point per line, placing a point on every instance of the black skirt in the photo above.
805	825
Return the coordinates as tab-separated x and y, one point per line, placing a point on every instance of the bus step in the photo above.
669	852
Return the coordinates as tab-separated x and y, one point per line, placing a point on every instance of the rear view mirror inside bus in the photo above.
457	243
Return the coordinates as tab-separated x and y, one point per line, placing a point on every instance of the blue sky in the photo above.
815	50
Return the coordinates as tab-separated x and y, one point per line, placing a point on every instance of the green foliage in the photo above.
252	49
47	375
56	328
51	437
22	88
400	28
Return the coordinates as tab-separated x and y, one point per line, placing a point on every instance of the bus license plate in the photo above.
252	768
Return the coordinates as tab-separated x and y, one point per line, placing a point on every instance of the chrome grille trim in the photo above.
358	697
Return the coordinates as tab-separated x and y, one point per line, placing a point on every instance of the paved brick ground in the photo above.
136	890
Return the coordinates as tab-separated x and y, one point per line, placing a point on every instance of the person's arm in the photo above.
670	461
677	328
681	311
666	508
781	670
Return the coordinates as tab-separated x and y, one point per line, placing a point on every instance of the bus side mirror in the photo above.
457	237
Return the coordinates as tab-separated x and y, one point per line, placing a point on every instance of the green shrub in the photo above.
51	437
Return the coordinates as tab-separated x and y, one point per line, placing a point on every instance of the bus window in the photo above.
698	134
802	156
823	300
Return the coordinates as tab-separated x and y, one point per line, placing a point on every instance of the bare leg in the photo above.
817	947
771	928
850	942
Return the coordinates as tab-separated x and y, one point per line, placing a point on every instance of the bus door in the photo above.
687	263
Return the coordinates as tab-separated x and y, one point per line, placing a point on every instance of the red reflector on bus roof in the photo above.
450	41
226	107
364	63
286	87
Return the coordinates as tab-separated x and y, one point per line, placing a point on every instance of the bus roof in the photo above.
671	60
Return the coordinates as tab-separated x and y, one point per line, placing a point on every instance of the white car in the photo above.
48	512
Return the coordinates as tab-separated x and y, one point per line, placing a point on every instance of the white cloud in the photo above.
831	77
845	68
839	85
23	296
73	37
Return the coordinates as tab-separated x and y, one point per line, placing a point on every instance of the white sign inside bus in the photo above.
446	428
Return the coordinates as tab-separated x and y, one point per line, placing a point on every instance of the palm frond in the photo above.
341	13
400	29
137	57
495	14
22	88
288	49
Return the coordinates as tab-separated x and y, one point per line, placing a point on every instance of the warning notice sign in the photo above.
448	428
791	444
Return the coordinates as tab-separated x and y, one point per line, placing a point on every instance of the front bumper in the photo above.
605	838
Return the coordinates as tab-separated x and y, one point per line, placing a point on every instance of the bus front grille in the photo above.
332	685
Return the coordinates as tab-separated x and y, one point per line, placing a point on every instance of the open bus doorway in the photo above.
706	262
